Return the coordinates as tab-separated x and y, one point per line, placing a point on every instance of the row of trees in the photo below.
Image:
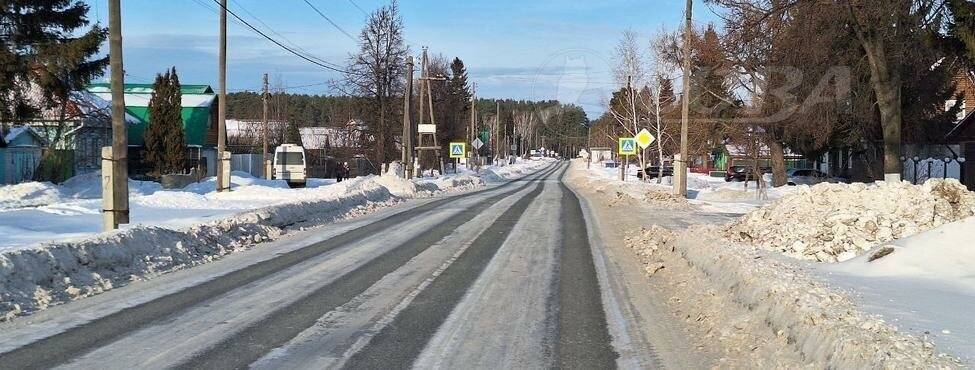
811	76
373	88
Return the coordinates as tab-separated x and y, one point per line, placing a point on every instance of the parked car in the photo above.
653	171
737	173
809	176
289	164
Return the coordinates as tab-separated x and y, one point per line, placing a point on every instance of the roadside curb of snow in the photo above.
824	326
35	278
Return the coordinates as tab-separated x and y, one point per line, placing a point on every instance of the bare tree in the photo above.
628	71
376	71
885	31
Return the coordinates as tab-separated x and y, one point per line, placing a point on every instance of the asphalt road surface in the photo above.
500	278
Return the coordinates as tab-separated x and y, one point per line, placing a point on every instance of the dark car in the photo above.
654	171
737	173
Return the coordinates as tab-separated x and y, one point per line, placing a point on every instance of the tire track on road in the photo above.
583	337
280	326
399	344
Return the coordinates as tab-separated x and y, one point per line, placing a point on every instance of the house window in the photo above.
961	112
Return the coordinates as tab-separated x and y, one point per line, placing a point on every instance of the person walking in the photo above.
340	173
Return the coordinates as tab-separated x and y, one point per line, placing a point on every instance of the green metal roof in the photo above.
147	88
196	102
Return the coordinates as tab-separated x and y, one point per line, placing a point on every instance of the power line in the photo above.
282	88
357	7
285	38
329	20
215	11
278	43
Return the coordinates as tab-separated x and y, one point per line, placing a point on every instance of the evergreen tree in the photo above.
711	95
457	106
41	44
292	135
961	28
164	137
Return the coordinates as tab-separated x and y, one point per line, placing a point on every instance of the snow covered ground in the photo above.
37	212
710	193
909	255
55	251
925	285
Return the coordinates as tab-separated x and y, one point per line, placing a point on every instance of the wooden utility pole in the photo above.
223	182
264	159
115	169
589	144
407	122
475	153
428	131
680	170
497	130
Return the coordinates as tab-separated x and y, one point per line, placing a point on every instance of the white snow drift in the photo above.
35	277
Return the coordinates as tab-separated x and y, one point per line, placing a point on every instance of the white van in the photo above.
289	164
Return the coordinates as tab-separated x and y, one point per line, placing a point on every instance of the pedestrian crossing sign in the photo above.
627	146
457	150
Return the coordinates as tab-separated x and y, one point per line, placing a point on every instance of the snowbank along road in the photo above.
499	278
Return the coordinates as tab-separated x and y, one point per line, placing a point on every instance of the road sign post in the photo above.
643	139
627	148
457	151
476	144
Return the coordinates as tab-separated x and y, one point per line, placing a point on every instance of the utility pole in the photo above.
223	181
428	131
115	193
680	171
589	144
264	160
475	155
407	123
497	129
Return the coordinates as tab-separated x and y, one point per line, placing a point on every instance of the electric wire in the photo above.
278	43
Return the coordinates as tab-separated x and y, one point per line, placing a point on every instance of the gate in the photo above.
19	164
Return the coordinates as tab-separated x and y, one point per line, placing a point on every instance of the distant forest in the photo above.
303	110
322	110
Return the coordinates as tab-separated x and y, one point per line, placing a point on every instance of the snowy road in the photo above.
499	278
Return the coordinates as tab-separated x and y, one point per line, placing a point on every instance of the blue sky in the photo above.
513	49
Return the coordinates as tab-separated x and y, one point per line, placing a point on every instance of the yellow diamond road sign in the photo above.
644	139
627	146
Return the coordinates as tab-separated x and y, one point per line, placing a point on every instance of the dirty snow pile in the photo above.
837	222
824	326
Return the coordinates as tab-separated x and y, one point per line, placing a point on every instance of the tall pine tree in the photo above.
164	137
457	107
292	134
712	101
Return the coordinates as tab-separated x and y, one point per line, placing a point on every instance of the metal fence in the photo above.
917	170
250	163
